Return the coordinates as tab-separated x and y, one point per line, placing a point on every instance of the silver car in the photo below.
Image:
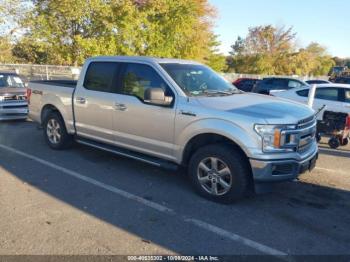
13	97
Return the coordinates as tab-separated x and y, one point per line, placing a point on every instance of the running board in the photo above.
127	153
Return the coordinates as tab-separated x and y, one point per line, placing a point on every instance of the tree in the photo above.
272	51
69	31
265	50
215	59
11	11
5	50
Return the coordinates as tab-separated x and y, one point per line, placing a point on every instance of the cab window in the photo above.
136	78
100	76
304	92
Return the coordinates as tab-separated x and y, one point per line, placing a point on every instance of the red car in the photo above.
245	84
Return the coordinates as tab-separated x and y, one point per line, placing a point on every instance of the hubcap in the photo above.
214	176
53	131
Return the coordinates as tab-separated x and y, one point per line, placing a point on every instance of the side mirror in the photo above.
156	96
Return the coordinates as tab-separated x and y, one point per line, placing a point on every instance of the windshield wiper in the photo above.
222	92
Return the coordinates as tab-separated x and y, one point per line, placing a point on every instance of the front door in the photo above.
139	125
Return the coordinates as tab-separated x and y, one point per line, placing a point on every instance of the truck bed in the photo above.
57	93
65	83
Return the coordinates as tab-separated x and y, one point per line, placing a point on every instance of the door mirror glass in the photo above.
156	96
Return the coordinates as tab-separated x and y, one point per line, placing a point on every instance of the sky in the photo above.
324	21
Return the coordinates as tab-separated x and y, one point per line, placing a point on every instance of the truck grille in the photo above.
15	98
301	138
307	133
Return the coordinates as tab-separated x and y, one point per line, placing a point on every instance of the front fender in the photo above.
237	134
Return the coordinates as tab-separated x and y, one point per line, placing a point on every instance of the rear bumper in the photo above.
282	170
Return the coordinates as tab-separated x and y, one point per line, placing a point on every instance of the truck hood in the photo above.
261	107
12	91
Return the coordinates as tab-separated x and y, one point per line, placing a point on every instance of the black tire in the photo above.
233	160
344	141
334	142
318	137
65	140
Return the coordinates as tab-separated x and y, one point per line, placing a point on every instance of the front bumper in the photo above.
12	111
282	169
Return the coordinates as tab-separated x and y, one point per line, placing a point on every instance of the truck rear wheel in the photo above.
55	132
219	173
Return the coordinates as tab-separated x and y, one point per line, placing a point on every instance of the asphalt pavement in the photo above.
85	201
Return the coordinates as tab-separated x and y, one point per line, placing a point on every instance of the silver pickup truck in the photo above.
171	113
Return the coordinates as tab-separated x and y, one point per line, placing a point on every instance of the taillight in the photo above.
29	93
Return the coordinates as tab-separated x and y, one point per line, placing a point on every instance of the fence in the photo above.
51	72
42	72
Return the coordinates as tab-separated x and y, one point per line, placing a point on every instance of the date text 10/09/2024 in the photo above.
173	258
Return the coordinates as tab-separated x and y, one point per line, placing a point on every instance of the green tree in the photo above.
265	50
215	59
272	51
5	50
69	31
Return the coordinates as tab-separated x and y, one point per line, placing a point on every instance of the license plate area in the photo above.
309	165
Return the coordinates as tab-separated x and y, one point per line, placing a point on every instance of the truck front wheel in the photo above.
219	172
55	132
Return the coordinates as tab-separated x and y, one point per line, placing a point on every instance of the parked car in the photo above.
245	84
337	70
276	84
336	97
171	113
317	82
342	80
13	97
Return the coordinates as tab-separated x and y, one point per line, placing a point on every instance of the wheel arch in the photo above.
204	139
49	108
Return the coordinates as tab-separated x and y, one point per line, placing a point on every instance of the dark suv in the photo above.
342	80
277	84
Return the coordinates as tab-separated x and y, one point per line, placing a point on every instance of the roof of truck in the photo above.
146	59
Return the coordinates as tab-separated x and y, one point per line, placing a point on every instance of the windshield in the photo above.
10	81
199	80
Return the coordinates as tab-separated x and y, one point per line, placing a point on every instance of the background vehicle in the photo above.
13	97
245	84
275	84
336	97
342	80
169	112
317	82
336	126
333	120
337	70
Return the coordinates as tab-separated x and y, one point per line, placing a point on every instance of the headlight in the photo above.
272	135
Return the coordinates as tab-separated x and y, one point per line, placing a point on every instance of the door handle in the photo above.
121	107
80	100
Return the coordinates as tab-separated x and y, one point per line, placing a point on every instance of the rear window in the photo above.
304	93
100	75
10	81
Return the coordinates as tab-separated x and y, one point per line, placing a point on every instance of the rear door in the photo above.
94	102
139	125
